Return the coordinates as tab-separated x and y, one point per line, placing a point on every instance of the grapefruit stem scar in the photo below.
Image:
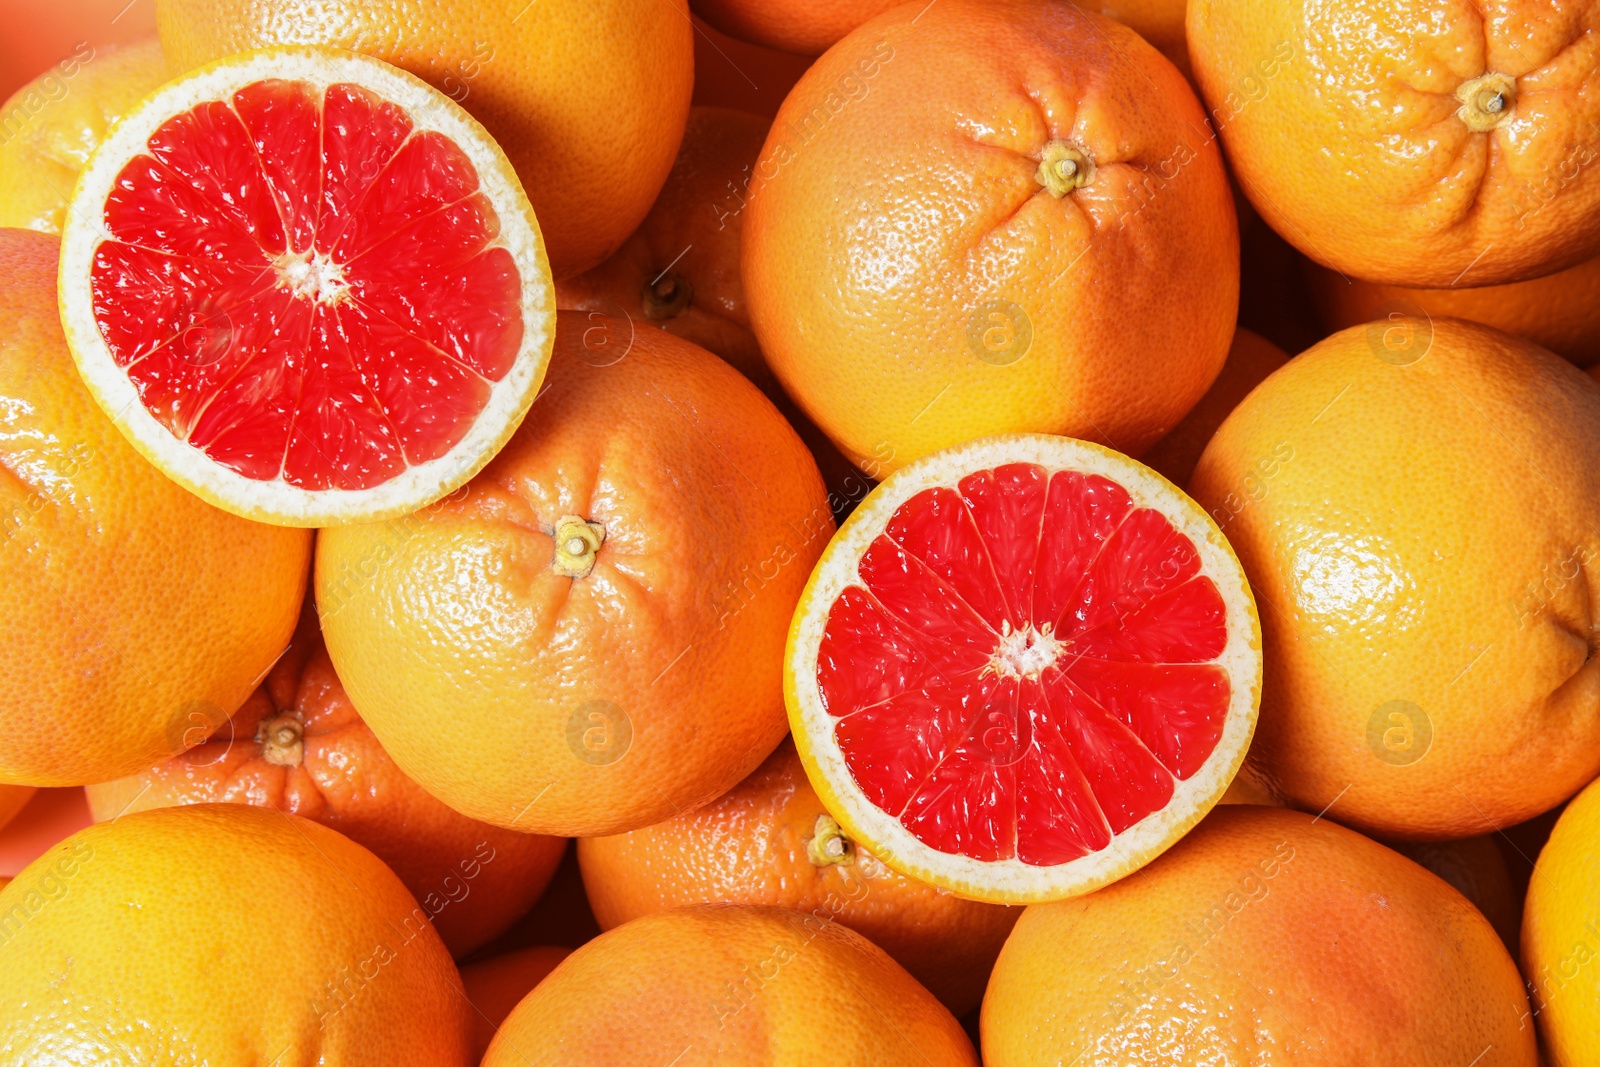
577	544
1486	102
829	845
667	297
1063	168
282	740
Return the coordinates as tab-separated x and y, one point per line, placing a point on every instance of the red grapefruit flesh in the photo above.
307	286
1025	666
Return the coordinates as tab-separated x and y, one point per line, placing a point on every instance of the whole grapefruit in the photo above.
227	935
589	637
1559	943
1265	936
721	983
1560	311
991	217
1424	144
1417	504
680	269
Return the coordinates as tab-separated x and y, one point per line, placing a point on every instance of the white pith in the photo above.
1025	653
1012	881
277	501
314	276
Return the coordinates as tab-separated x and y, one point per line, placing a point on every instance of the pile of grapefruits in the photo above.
840	464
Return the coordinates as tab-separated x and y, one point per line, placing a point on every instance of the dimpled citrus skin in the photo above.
690	238
1264	936
223	935
912	283
136	617
1250	359
587	97
1419	536
750	846
1560	311
1559	943
1342	124
68	116
473	880
728	984
589	705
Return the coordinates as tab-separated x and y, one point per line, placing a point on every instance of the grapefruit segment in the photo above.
1023	668
307	286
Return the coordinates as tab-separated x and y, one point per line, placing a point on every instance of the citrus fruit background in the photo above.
908	316
1252	720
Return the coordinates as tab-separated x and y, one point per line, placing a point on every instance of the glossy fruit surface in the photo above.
992	217
768	840
1417	505
589	637
587	97
1023	668
1417	144
227	935
136	617
720	984
298	745
307	287
69	109
1559	944
1264	936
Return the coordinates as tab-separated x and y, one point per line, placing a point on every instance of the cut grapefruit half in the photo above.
307	286
1023	668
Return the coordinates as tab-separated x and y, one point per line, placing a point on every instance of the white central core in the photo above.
312	275
1024	653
